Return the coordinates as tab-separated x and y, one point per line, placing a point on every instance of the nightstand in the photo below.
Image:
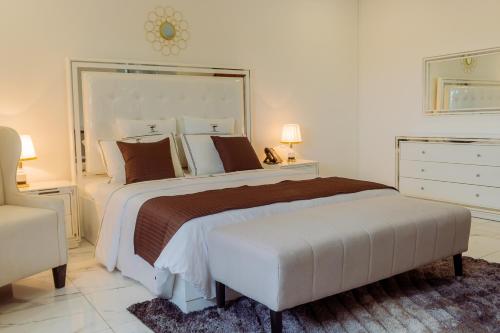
304	165
68	192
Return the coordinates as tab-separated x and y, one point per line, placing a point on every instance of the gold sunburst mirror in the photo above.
167	30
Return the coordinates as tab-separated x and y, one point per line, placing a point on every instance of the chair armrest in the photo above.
45	202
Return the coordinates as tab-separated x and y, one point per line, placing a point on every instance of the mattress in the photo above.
186	253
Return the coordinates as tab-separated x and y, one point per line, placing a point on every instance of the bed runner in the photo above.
160	218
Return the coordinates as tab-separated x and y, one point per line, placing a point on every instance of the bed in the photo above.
103	92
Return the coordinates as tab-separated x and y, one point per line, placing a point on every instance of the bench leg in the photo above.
276	321
220	294
457	264
59	274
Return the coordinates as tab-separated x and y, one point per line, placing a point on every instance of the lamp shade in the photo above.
291	134
28	149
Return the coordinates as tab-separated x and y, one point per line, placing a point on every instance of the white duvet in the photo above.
186	253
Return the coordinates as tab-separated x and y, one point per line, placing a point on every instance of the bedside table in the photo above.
67	191
304	165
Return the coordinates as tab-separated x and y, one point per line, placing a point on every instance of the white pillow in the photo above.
201	154
195	125
115	164
126	128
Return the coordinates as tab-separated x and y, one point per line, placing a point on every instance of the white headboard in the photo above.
466	94
105	91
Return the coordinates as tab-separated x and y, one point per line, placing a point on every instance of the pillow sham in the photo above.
196	125
147	161
201	155
115	164
126	128
236	153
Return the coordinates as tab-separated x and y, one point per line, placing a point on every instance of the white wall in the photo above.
394	37
302	55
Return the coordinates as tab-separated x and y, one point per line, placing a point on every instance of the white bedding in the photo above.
186	253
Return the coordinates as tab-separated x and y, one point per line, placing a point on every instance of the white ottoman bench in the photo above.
286	260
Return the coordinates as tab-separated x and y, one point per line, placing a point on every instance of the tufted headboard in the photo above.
105	91
465	94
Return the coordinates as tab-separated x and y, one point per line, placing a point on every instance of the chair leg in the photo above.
276	321
59	274
220	293
457	264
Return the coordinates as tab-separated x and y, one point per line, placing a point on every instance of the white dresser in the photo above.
463	171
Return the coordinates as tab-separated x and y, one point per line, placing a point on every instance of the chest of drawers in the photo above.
462	171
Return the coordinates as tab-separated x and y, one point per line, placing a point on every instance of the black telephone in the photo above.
271	156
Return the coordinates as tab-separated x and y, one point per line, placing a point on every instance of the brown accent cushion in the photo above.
236	153
147	161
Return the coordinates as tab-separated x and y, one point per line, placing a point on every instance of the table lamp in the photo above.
27	153
291	135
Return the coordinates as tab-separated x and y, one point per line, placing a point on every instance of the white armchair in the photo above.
32	234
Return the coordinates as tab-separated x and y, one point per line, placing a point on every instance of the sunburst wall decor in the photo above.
167	30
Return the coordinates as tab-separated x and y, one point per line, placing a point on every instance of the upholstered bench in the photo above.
290	259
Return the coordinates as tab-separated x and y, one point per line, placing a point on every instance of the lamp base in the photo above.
291	154
21	177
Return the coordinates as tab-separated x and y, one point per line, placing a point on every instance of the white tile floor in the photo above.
95	300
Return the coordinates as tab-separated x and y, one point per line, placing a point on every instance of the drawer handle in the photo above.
478	175
423	170
478	155
422	188
50	192
477	195
423	152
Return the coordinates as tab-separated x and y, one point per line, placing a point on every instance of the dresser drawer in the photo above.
457	173
476	154
470	195
66	197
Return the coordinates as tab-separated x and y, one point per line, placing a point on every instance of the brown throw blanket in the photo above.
160	218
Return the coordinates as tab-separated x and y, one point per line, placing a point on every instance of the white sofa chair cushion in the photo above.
28	241
290	259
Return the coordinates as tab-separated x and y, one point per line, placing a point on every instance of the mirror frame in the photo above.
427	86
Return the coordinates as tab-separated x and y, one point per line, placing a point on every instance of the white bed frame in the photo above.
101	91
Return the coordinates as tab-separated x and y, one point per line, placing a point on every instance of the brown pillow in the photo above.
147	161
236	153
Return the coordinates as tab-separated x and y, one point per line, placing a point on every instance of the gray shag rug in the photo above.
429	299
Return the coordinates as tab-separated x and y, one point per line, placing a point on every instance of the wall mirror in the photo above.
461	83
